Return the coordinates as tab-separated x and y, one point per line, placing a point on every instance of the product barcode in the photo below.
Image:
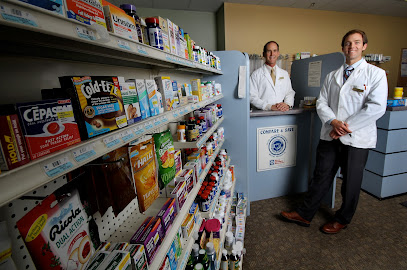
16	12
56	163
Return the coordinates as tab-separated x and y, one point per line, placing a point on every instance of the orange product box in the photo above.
87	12
119	22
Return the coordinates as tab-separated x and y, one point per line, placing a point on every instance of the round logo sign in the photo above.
277	145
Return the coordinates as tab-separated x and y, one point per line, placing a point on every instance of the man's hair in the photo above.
354	31
265	46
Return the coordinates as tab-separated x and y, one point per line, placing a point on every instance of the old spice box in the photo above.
13	152
97	103
48	126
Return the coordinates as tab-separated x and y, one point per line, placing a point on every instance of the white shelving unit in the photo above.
201	141
37	34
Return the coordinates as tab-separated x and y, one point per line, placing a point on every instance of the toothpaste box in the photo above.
137	257
97	103
152	97
119	23
164	31
130	101
171	37
167	214
165	88
143	98
117	260
54	6
85	11
13	151
48	126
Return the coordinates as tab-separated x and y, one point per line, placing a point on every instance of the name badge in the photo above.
359	88
281	78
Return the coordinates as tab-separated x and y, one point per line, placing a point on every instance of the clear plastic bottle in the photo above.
154	33
229	241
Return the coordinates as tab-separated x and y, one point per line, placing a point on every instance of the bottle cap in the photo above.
198	266
195	249
210	248
152	20
181	127
224	252
128	7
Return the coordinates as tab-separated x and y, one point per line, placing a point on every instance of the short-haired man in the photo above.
351	100
270	86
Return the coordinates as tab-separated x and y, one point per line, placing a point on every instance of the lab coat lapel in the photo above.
268	77
356	73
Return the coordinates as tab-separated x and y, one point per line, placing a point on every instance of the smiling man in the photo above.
351	100
270	86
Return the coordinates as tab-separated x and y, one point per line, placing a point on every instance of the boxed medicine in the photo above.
119	23
143	98
87	12
13	151
97	103
167	214
164	31
48	126
171	37
137	256
54	6
196	88
130	101
153	98
164	85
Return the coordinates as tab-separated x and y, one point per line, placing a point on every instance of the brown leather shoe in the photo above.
295	218
333	227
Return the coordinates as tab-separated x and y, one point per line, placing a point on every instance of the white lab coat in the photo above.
360	109
264	92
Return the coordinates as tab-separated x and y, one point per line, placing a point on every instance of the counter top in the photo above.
401	108
257	113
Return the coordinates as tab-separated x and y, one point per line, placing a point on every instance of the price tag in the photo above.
127	135
111	141
139	130
175	113
17	16
123	44
164	119
83	153
179	112
185	111
85	33
148	125
157	122
141	50
57	167
192	107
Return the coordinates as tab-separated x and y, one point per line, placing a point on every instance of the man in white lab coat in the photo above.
352	98
270	86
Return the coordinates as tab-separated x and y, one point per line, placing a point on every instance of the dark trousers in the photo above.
330	156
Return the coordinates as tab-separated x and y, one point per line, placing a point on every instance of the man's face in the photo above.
353	48
271	54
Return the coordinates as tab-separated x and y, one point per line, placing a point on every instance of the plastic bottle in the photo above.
154	33
229	239
210	251
144	31
198	124
131	11
181	133
203	124
220	110
224	261
195	251
233	260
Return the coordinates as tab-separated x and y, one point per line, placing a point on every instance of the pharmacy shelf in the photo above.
225	225
17	182
187	246
28	30
209	214
201	141
129	226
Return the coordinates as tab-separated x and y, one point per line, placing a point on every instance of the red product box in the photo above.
48	126
13	151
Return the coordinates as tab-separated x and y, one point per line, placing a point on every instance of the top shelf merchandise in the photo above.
27	30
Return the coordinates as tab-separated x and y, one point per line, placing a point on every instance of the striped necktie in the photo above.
346	73
273	75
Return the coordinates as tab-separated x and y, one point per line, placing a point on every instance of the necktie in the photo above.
346	73
273	75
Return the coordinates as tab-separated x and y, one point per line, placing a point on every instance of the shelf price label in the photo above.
157	122
141	50
57	167
83	153
164	119
127	135
123	44
148	125
175	113
85	33
17	16
111	141
139	130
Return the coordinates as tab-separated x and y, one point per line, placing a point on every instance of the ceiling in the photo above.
396	8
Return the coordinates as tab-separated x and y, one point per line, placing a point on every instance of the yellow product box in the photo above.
187	226
117	260
196	88
87	12
164	30
118	22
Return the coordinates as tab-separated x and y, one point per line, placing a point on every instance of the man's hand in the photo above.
339	128
278	107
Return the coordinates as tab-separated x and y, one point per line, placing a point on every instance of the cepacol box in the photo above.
97	103
48	126
57	235
13	152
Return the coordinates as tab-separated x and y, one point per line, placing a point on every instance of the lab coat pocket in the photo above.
357	93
